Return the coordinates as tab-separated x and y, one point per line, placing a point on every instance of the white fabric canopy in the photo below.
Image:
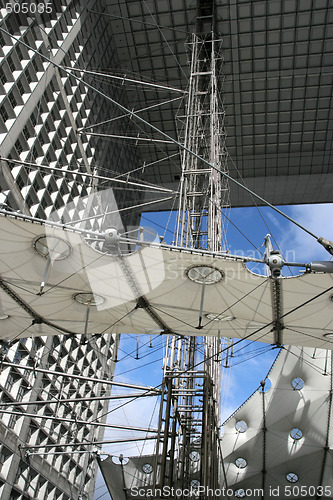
148	291
299	399
126	479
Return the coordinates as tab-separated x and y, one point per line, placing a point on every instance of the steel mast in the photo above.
188	449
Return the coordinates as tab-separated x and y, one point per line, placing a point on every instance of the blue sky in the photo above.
294	243
251	365
255	223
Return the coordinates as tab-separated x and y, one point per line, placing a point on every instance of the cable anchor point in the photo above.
328	245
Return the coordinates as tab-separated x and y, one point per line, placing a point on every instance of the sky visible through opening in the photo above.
252	364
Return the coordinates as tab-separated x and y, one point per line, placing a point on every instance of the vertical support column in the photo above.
192	406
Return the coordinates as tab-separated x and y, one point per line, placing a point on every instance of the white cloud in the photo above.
273	219
299	245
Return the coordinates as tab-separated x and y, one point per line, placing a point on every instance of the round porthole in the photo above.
297	383
219	317
52	247
196	441
195	483
89	299
147	468
241	426
207	275
121	460
241	463
296	434
194	456
328	335
240	493
292	477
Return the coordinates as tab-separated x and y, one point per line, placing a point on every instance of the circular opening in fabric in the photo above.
328	335
120	460
241	426
147	468
194	456
52	247
207	275
194	484
218	317
297	383
89	299
241	463
292	477
196	441
296	434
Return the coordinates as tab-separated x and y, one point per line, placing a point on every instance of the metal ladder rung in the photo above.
200	73
198	171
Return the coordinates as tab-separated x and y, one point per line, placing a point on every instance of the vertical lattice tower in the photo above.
188	451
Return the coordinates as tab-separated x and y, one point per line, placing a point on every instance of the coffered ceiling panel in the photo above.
277	88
